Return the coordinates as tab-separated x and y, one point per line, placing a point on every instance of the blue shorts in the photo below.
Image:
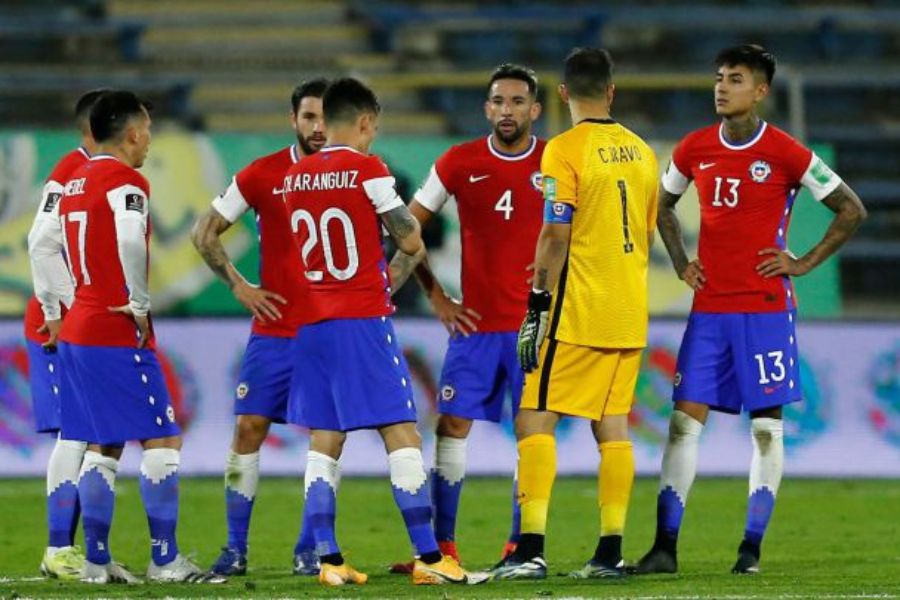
264	383
350	374
734	361
114	395
478	372
44	380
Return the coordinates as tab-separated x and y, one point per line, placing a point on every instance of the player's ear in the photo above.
487	109
563	93
762	91
535	112
610	94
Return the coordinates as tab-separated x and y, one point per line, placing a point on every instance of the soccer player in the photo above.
115	391
53	291
496	183
739	351
261	396
349	370
589	301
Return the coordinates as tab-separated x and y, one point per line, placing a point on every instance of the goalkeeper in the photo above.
590	303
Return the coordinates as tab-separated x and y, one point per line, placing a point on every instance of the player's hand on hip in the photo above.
141	321
533	329
693	275
779	262
262	303
51	328
456	317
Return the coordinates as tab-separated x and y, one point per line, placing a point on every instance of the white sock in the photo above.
65	463
242	473
679	464
767	464
321	466
107	466
450	459
159	463
407	469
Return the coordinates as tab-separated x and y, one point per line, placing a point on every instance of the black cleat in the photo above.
747	561
655	561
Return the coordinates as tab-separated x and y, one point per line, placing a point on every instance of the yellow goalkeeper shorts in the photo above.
582	381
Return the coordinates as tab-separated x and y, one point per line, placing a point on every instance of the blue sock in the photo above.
63	509
96	493
669	512
306	541
445	496
408	482
159	490
515	531
759	510
321	501
241	479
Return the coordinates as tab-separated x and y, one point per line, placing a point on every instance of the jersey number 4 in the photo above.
319	232
505	205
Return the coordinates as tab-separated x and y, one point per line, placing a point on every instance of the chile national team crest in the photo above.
537	181
760	171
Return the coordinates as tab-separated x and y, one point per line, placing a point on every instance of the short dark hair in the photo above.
310	88
753	56
514	71
588	72
111	112
347	98
84	104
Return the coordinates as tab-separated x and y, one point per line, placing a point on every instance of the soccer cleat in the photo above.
306	563
231	562
655	561
111	572
446	570
448	548
182	570
594	569
514	568
747	561
340	575
63	563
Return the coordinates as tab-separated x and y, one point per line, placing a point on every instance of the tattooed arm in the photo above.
407	235
206	238
690	271
849	212
550	256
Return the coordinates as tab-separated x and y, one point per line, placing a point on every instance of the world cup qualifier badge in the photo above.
760	171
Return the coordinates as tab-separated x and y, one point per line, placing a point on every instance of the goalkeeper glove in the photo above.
533	329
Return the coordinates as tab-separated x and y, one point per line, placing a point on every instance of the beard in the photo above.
510	138
306	147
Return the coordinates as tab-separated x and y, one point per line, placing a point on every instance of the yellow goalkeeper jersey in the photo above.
609	175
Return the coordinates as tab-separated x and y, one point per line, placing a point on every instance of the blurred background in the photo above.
220	73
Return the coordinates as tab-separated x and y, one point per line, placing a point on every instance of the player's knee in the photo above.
453	426
683	426
765	431
249	433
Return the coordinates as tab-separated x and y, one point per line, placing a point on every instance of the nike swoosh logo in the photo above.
704	166
277	192
474	179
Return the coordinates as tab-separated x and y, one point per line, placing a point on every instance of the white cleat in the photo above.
182	570
111	572
63	563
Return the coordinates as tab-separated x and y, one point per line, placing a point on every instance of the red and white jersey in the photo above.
333	199
746	195
259	187
50	272
500	205
105	219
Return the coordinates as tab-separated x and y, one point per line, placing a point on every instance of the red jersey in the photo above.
49	209
259	187
500	205
746	195
333	199
105	219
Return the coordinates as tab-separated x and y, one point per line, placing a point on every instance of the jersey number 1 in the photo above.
623	194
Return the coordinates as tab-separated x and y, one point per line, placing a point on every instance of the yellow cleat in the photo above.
63	563
333	575
447	570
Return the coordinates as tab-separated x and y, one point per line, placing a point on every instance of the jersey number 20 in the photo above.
320	230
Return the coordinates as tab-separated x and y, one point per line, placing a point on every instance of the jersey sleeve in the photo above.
433	194
50	274
379	186
677	176
560	178
818	178
231	204
130	206
653	205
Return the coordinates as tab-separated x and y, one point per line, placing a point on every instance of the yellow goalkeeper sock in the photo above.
616	476
537	470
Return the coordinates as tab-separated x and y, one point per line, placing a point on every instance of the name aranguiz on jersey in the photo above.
329	180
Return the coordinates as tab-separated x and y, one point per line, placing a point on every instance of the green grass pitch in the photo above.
828	539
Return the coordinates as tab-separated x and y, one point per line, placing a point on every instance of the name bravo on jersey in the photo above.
330	180
615	154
